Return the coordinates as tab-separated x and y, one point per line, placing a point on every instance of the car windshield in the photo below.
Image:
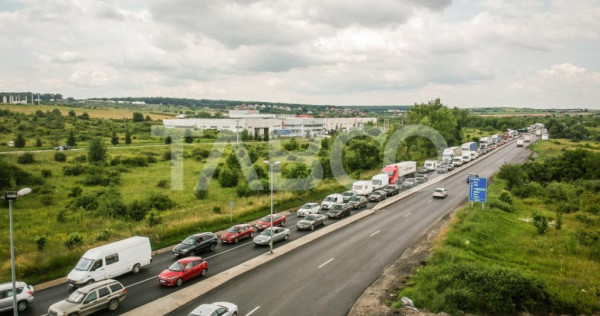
234	229
306	206
439	190
84	264
266	232
266	219
355	199
349	193
376	182
309	218
177	266
189	241
337	207
329	199
76	297
389	173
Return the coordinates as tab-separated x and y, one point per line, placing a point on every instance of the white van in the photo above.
363	187
330	200
466	156
457	161
111	260
431	165
474	155
379	181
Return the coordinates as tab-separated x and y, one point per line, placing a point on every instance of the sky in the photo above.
488	53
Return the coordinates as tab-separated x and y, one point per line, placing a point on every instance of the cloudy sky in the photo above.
524	53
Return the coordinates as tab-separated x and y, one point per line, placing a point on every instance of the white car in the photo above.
440	193
309	208
217	308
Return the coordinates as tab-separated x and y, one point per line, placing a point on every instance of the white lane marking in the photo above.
429	201
375	233
326	262
406	214
140	282
252	311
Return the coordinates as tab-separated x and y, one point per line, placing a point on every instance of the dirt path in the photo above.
376	299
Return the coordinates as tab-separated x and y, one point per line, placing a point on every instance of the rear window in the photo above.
102	292
116	287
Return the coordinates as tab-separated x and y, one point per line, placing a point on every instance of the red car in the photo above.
265	222
237	233
183	270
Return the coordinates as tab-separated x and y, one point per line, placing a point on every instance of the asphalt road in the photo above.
326	277
323	278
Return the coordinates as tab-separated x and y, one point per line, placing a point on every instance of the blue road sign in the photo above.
477	189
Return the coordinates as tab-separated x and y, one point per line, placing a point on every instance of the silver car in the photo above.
309	208
311	221
279	233
217	308
106	294
24	296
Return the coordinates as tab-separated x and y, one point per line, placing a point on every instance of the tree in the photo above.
84	116
228	178
71	141
72	113
168	140
245	135
188	137
38	142
201	189
362	154
138	117
20	141
127	137
96	151
114	139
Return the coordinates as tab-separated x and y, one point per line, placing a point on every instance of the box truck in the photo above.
111	260
449	154
470	146
519	143
484	143
538	132
380	180
527	138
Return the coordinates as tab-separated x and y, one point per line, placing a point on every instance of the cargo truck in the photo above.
519	143
397	171
527	138
379	181
450	153
538	132
470	146
484	143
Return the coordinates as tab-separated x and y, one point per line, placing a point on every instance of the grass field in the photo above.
104	113
555	271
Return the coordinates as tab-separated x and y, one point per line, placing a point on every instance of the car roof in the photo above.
188	259
95	285
8	285
203	234
204	309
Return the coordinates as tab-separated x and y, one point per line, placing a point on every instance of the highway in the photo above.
324	277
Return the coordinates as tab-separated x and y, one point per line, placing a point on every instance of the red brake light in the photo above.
124	290
30	292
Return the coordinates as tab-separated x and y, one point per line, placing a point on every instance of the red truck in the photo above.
399	170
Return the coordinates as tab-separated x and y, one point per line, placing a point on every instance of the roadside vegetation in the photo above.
534	248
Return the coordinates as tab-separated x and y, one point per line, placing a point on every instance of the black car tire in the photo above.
237	240
113	305
136	268
21	306
179	282
213	247
252	235
312	227
286	237
204	271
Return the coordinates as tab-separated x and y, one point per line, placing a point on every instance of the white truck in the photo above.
457	161
332	199
431	165
484	143
527	138
111	260
466	156
380	180
449	154
538	132
362	188
519	143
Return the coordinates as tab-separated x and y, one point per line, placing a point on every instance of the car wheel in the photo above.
237	240
213	247
90	281
21	306
281	224
234	314
312	227
204	271
113	304
252	235
286	237
136	268
179	282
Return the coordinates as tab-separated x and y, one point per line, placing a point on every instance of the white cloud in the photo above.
469	53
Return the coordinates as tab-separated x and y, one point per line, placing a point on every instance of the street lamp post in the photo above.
11	196
271	228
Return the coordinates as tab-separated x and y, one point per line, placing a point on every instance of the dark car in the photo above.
409	183
421	178
378	195
196	244
442	169
63	147
358	202
449	166
339	210
348	195
471	175
311	221
391	189
423	170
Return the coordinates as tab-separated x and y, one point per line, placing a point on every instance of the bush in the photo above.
74	170
135	161
154	218
61	216
217	209
80	159
88	202
40	242
162	184
26	158
506	197
528	189
540	222
566	208
200	154
137	210
115	161
75	191
201	189
160	202
46	173
60	156
75	240
228	178
501	205
103	235
47	199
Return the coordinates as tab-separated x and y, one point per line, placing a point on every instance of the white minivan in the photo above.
111	260
466	156
330	200
363	188
431	165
